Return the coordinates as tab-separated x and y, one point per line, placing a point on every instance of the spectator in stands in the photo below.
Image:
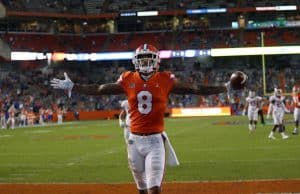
3	119
11	119
23	118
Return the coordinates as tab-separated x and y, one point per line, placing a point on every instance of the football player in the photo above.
124	119
253	104
10	123
147	91
278	109
296	100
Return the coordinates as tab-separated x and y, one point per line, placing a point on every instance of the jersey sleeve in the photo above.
122	80
272	100
259	98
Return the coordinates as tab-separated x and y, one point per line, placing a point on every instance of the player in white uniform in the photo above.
253	104
277	108
296	100
124	118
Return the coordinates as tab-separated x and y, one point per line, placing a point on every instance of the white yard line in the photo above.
242	161
5	136
38	131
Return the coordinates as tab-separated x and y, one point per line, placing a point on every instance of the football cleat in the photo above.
271	137
295	133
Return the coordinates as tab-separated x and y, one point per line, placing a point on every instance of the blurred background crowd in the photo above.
97	26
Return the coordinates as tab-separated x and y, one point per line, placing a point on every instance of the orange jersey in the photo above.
147	100
296	96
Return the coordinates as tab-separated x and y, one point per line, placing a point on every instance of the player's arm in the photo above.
270	108
295	92
284	107
90	89
295	98
122	117
237	81
96	89
245	108
181	87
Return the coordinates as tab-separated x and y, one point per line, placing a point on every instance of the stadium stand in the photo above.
25	83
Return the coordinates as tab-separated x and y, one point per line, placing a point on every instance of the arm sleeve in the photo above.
122	80
270	108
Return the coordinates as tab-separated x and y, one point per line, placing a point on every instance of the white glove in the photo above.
65	84
268	116
244	112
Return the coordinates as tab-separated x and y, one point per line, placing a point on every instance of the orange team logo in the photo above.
147	99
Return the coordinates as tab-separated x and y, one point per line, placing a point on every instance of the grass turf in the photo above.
209	148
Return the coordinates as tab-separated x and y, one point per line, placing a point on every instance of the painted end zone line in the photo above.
218	187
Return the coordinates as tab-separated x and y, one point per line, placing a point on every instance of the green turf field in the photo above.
209	148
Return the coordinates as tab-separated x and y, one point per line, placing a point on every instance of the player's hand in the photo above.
268	116
244	112
65	84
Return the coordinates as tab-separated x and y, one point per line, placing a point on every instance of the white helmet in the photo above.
277	92
251	93
146	59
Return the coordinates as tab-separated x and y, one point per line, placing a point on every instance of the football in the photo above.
238	80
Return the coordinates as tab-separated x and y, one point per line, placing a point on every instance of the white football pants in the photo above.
278	117
297	114
253	114
146	157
